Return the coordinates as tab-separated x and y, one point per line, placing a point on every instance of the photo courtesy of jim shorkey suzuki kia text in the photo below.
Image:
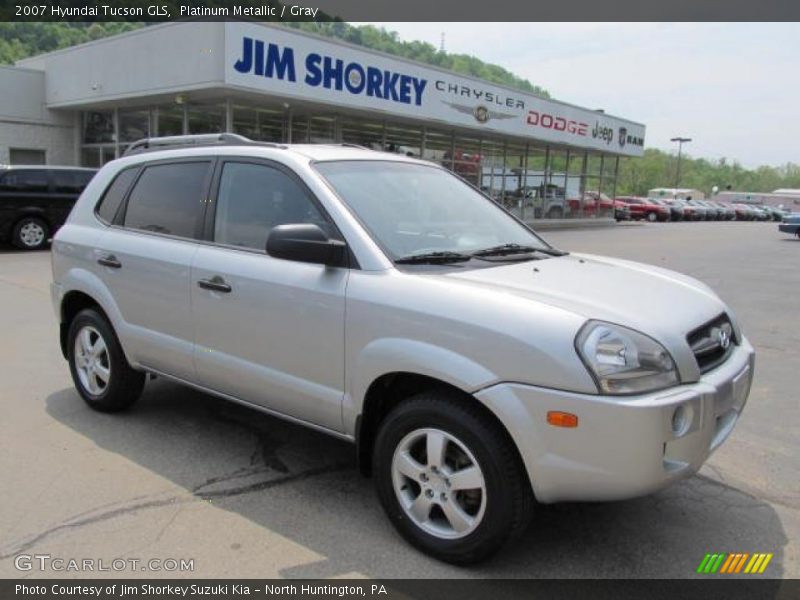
195	589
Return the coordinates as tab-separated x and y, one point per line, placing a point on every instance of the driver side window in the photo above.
254	198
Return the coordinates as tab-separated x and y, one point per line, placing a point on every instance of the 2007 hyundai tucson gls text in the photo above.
385	301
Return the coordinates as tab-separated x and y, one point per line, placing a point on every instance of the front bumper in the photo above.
789	227
623	446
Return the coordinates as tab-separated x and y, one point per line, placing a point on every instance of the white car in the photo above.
383	300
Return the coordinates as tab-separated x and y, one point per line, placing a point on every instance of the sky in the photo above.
734	88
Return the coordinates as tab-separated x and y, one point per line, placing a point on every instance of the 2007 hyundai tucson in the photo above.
385	301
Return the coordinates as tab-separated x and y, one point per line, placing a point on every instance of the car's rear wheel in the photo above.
449	478
30	233
99	369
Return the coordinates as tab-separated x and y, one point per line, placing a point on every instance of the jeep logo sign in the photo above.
291	66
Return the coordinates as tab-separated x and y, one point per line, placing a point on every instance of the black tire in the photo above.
124	385
652	217
30	233
508	500
555	212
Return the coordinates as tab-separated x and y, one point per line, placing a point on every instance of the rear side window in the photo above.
114	195
169	199
25	180
70	182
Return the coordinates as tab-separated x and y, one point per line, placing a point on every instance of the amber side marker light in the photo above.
557	418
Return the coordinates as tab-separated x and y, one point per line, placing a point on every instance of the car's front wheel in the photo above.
449	478
99	369
652	217
30	233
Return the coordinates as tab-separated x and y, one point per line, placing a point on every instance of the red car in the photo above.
642	208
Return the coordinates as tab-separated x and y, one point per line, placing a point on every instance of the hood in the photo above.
657	302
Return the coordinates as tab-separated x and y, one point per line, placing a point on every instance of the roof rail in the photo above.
205	139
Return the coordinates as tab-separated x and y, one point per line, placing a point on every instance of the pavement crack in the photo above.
197	495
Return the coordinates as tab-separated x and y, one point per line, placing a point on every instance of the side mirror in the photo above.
305	242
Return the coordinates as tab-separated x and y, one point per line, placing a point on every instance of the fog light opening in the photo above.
681	420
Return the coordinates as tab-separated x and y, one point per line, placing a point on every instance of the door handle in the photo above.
109	260
215	284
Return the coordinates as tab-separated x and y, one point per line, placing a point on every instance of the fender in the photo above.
411	356
82	280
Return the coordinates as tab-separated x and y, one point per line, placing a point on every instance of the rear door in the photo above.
145	259
272	332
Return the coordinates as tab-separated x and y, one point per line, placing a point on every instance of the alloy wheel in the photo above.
439	483
92	362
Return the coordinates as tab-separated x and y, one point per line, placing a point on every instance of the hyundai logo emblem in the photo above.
724	338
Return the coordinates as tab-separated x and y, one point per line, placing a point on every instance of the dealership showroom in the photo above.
86	104
205	480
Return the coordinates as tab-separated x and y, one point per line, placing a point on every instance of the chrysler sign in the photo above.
293	66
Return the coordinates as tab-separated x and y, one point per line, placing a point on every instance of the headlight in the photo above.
623	361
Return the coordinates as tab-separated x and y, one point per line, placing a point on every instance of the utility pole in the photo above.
681	141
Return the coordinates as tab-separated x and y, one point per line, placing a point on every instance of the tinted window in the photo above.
168	199
25	180
114	195
253	199
70	182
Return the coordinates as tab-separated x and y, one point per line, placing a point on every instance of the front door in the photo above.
268	331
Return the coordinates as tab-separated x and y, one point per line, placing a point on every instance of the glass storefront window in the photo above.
363	133
98	127
170	120
260	124
206	118
134	125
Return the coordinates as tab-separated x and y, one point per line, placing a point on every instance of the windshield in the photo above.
415	209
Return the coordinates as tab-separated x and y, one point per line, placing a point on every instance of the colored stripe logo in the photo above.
733	563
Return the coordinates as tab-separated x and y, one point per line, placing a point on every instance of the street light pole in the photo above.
681	141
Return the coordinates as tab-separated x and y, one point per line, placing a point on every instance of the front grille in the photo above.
712	343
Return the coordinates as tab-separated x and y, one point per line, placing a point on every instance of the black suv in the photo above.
35	201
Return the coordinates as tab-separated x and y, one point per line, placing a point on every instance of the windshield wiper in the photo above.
504	249
433	258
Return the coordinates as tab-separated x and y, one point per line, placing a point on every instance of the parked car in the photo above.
791	224
546	201
771	213
704	213
383	300
762	213
622	212
744	212
728	213
597	204
675	211
35	201
688	212
643	208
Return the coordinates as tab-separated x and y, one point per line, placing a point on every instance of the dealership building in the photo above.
84	105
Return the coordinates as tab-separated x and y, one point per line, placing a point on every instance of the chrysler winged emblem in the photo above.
481	113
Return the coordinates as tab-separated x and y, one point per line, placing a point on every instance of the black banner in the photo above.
408	10
734	588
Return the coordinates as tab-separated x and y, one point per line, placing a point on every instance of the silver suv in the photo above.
383	300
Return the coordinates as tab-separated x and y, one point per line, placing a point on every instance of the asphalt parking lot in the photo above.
183	475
